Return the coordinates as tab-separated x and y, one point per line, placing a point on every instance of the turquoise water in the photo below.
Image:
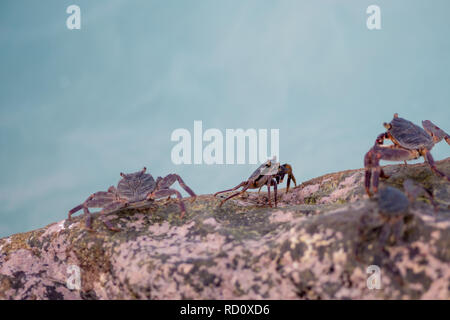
79	106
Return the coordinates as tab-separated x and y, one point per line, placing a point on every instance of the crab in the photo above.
409	142
393	211
393	206
388	222
132	188
270	173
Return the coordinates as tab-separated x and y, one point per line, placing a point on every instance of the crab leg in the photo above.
377	153
274	183
269	182
384	234
368	172
77	208
168	192
290	176
105	199
95	200
111	207
397	228
429	159
243	183
236	194
170	179
87	218
437	133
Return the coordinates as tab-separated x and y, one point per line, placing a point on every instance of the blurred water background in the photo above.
79	106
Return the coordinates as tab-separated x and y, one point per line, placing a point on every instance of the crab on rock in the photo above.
393	212
270	173
409	142
133	187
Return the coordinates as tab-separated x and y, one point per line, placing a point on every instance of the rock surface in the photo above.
317	244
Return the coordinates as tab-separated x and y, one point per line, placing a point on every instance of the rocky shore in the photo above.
317	244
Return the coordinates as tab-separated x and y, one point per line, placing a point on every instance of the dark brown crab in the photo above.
270	173
133	187
410	142
393	207
393	211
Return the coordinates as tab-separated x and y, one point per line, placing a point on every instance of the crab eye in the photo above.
122	175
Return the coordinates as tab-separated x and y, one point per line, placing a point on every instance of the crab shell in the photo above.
136	186
264	172
392	202
409	135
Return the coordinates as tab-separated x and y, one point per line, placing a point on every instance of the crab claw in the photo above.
437	133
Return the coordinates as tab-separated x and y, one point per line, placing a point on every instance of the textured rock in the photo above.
316	245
